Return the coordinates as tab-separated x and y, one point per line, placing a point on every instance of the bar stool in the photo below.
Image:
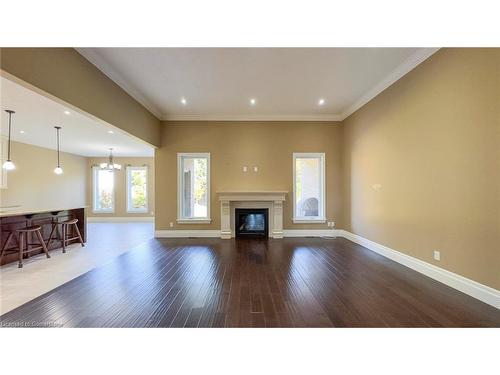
22	239
66	226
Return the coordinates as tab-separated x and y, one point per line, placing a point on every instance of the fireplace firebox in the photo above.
251	222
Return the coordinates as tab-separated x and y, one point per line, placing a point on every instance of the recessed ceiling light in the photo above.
321	101
66	112
111	132
253	101
184	101
22	131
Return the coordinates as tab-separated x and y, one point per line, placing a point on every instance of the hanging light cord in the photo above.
10	125
58	159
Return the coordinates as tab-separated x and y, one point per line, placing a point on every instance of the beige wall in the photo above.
432	141
33	184
121	186
268	145
67	75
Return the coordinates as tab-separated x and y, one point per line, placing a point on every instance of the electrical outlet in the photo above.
245	168
171	225
437	255
255	169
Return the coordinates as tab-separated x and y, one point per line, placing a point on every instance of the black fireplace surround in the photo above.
251	222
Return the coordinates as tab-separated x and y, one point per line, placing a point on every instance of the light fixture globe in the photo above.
8	165
58	170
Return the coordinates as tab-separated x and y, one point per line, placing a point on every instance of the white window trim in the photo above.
130	210
322	214
196	220
94	195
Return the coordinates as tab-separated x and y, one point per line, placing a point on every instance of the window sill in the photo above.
194	221
309	221
103	212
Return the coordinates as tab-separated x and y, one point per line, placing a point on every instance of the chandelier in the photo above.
110	165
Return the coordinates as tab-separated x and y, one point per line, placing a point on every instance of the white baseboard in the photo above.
311	232
474	289
115	219
216	233
186	233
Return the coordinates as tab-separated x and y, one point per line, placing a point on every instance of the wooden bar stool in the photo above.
22	240
66	227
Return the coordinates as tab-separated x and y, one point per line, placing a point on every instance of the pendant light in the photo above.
9	165
110	165
58	170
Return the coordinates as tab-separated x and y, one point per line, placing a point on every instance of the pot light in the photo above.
321	102
183	101
66	112
9	165
58	170
111	132
22	131
253	101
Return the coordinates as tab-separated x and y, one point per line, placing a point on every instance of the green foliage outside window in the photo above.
105	200
138	189
200	183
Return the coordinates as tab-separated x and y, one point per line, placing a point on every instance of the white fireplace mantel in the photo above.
274	198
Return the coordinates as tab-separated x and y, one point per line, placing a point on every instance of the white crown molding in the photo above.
201	117
408	65
93	57
470	287
404	68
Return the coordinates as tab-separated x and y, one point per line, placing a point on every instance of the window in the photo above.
193	187
137	189
103	190
309	188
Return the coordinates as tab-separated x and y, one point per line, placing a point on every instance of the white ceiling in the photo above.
36	115
287	83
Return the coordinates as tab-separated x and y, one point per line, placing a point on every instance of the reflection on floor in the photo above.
40	275
294	282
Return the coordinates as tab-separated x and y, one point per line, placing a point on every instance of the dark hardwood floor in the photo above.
294	282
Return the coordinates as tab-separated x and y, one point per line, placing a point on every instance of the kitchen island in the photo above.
20	217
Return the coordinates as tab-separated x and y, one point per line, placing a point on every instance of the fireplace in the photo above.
271	201
251	222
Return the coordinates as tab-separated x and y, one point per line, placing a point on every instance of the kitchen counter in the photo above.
20	210
12	218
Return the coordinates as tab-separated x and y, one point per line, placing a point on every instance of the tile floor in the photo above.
39	275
